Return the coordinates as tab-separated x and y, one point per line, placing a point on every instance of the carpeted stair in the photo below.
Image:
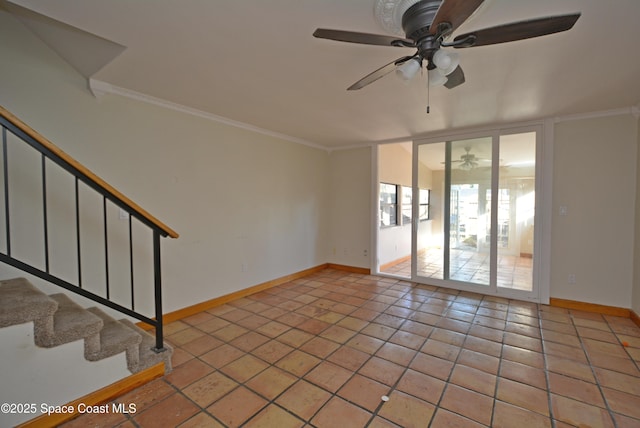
58	320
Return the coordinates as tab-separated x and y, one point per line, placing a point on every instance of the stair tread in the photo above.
115	337
148	357
71	322
71	316
22	302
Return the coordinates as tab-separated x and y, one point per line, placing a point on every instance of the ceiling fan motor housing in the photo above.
417	20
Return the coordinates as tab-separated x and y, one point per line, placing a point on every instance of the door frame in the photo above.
543	202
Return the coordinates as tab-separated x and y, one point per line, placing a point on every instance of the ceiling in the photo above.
255	62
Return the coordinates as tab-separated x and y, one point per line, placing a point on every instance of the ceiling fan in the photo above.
427	26
468	160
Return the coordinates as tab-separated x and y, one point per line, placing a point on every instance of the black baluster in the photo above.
6	189
158	290
79	252
131	263
44	212
106	242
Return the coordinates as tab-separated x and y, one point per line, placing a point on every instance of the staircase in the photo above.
49	225
58	320
29	186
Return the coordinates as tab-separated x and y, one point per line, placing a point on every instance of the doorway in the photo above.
475	214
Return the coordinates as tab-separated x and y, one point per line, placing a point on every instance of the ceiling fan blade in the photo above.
518	30
379	73
454	12
363	38
456	78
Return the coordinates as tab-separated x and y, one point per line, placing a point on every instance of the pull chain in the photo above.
428	93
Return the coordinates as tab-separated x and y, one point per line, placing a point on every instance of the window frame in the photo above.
426	205
384	206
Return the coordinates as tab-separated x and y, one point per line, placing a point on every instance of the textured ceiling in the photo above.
255	62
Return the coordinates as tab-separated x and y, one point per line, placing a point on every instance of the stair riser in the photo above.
58	320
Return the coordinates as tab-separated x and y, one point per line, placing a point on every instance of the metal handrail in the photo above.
53	152
10	123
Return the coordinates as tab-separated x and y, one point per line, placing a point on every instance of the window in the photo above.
425	195
388	205
396	207
406	205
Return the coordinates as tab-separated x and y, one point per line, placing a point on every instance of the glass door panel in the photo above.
430	236
516	211
469	167
474	209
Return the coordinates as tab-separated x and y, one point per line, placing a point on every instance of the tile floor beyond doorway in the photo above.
323	350
471	266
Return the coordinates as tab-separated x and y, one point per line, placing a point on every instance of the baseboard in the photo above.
591	307
96	398
392	263
635	318
210	304
352	269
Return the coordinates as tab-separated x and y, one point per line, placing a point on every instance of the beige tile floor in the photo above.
323	350
469	266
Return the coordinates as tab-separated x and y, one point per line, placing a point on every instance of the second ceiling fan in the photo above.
427	26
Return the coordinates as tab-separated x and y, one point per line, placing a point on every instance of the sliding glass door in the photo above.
475	230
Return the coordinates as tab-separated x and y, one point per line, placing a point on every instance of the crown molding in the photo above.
596	114
99	89
350	147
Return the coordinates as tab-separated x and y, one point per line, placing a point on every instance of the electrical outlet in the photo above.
572	278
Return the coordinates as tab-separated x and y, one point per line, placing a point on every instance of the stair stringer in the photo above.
51	358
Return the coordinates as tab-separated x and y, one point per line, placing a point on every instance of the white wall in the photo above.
236	197
394	167
636	254
595	163
350	206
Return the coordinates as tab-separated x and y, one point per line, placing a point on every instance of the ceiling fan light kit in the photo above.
409	69
445	61
427	26
468	166
437	77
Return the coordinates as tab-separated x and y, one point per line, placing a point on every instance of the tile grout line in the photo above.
406	368
455	363
500	360
546	371
591	366
301	378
